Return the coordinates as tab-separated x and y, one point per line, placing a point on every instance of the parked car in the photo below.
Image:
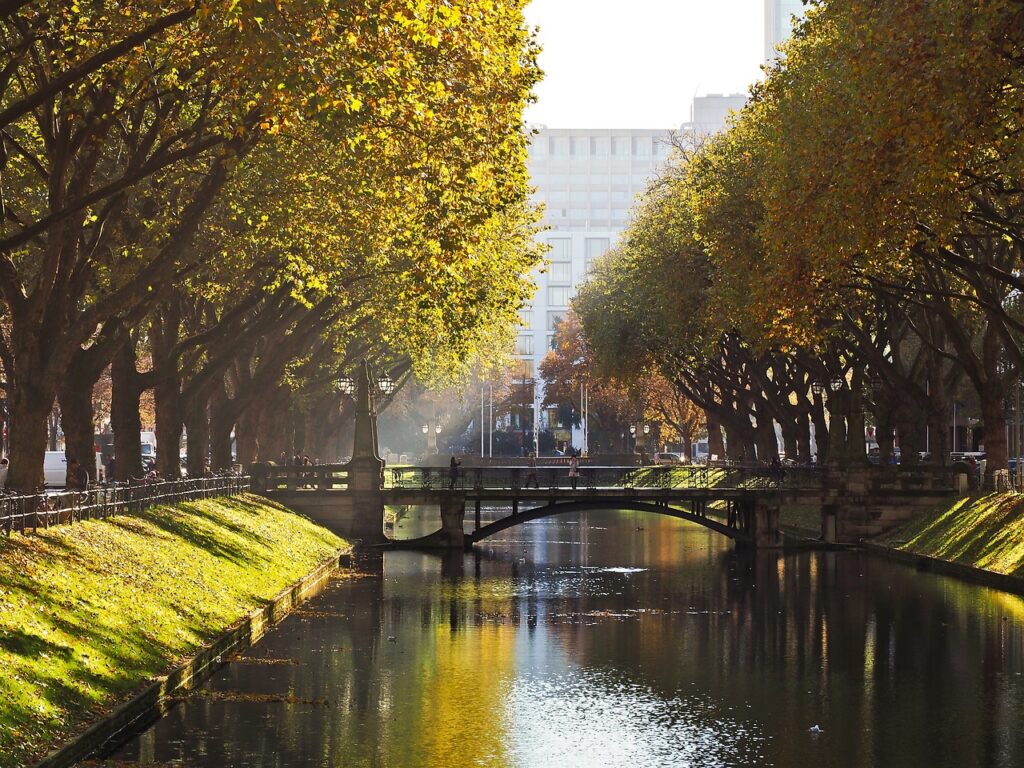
668	458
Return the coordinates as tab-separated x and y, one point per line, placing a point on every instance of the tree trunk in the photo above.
766	442
222	421
168	427
790	446
270	430
247	436
76	417
124	414
993	415
30	410
197	426
164	334
821	433
938	421
803	437
716	442
885	433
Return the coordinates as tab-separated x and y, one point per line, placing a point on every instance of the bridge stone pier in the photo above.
862	502
346	499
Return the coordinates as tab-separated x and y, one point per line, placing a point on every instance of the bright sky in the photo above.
638	63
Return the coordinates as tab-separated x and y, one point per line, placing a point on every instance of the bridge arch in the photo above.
596	505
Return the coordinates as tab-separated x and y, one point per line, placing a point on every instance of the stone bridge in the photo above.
740	502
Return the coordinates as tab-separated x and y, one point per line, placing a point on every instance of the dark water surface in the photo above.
620	639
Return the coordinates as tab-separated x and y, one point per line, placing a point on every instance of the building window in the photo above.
524	344
552	341
560	272
554	422
522	369
555	319
558	296
641	148
526	317
580	146
596	247
561	248
620	146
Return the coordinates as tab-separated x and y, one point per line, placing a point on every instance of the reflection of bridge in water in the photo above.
741	502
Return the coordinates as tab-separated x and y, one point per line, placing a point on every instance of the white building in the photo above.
709	114
779	16
588	180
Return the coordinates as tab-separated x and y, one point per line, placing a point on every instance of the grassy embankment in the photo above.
91	612
982	531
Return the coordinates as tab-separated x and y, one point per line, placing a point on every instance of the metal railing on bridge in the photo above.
297	477
23	512
696	477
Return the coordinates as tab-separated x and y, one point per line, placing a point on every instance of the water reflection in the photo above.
619	639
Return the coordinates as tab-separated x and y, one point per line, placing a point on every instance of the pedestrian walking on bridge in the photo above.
453	473
531	470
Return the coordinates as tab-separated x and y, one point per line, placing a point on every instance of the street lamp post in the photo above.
835	384
431	435
386	385
347	386
645	429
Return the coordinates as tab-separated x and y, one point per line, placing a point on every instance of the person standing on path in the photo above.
531	470
76	478
453	473
574	469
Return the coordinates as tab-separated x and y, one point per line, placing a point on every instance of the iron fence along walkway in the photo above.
19	513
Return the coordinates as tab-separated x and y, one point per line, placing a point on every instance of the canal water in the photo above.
619	639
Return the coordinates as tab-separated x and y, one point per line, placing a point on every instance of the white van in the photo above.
55	469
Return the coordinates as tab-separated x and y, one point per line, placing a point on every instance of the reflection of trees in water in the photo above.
899	668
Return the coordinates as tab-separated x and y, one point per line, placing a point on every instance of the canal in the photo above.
619	639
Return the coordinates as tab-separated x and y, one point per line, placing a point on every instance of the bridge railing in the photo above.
667	477
320	477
